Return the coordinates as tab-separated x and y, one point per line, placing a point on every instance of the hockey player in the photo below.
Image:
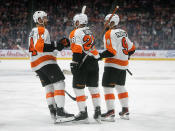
84	67
43	62
118	48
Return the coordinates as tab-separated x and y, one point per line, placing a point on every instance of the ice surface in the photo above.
151	92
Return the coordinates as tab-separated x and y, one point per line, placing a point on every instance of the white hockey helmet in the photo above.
82	18
38	14
115	18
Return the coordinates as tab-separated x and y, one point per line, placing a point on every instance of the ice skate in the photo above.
82	117
108	116
63	116
52	113
124	114
97	114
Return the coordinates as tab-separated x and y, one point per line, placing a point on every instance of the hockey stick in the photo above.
83	10
26	53
67	72
73	98
106	23
129	71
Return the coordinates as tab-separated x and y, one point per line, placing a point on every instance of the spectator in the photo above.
147	22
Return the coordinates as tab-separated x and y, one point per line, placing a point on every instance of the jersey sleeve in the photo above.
75	40
108	43
131	46
30	38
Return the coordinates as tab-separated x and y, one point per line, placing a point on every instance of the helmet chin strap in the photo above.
76	26
42	23
112	26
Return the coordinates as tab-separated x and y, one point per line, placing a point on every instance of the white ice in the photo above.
151	95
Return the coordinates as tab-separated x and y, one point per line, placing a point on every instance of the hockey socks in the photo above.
109	98
50	94
80	98
122	95
59	93
95	93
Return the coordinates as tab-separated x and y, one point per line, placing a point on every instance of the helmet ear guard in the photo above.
114	19
82	18
37	15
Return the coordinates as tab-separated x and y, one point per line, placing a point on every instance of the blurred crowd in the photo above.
150	24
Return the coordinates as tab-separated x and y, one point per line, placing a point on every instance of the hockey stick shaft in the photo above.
83	60
102	32
23	50
106	23
64	70
129	71
73	98
83	9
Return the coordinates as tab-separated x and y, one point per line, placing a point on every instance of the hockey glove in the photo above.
100	58
65	42
57	45
74	67
130	53
105	54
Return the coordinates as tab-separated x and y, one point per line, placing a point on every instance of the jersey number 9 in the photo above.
125	46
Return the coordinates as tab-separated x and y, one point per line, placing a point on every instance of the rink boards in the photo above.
67	54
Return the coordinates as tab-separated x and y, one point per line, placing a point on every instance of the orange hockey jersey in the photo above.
37	38
116	41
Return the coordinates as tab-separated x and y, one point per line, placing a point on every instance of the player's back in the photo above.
82	42
118	41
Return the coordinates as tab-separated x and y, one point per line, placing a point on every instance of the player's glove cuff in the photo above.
65	42
74	67
100	57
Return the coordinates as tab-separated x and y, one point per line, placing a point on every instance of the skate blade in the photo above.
85	121
54	121
126	117
109	119
64	120
98	120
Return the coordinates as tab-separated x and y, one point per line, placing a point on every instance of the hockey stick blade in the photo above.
66	72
